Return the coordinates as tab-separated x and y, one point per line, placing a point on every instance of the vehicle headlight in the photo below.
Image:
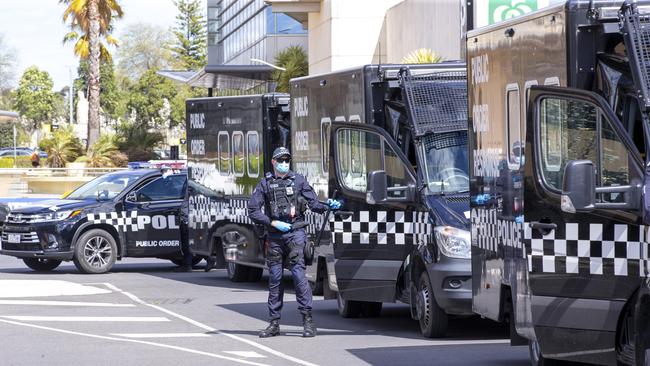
454	243
55	216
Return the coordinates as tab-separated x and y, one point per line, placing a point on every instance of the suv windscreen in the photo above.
105	187
446	160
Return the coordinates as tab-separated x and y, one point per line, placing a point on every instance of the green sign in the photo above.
500	10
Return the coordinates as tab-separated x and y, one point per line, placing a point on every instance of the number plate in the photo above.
13	238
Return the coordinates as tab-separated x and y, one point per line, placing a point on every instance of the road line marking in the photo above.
146	319
45	288
64	303
245	354
213	330
160	335
161	345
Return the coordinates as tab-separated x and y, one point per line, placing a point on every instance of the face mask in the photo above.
282	168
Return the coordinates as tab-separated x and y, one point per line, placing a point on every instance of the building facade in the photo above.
242	30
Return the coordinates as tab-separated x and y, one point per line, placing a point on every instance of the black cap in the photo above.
281	151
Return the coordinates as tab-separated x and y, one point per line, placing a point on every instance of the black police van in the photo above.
126	213
390	141
559	179
230	142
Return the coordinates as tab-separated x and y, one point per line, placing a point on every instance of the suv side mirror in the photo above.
579	190
578	187
377	189
132	197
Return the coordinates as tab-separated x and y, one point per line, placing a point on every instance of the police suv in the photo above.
128	213
560	102
390	141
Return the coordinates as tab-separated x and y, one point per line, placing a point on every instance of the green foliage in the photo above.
294	60
136	141
105	153
34	98
190	46
144	47
422	56
21	162
62	146
147	98
112	96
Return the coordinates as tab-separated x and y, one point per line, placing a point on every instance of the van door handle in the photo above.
543	226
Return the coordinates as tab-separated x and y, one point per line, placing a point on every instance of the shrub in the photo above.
62	146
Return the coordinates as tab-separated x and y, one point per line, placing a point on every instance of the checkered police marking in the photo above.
383	228
205	212
122	221
594	249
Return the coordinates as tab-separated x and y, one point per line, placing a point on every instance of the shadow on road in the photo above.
456	355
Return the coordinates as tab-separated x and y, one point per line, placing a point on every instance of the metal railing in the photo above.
58	172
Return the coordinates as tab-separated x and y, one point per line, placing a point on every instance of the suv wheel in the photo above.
41	264
95	252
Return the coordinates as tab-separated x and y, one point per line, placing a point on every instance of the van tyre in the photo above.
536	358
433	320
255	274
238	272
633	346
348	308
41	264
95	252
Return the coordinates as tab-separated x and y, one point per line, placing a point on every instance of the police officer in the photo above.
280	194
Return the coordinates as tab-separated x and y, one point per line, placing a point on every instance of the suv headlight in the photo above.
55	216
454	243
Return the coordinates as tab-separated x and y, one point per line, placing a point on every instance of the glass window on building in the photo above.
280	23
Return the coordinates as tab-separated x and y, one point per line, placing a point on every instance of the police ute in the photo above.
126	213
231	140
390	142
560	102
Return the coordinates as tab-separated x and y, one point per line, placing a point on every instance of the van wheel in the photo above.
433	320
348	308
41	264
632	345
371	309
255	274
237	272
536	358
95	252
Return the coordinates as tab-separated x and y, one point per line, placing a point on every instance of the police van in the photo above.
230	143
126	213
559	102
390	141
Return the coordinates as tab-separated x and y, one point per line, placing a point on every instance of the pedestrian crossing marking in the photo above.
29	318
46	288
161	335
64	303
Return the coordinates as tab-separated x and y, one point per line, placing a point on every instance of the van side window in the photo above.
515	145
163	189
253	154
396	173
238	153
615	165
325	126
224	152
568	131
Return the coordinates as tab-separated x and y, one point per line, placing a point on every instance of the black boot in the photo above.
210	263
184	268
272	330
309	328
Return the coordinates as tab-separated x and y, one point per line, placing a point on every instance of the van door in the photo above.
371	243
596	254
154	217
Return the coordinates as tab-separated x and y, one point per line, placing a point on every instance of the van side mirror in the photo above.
578	187
377	189
579	190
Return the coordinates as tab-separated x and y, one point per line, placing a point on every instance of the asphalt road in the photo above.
143	313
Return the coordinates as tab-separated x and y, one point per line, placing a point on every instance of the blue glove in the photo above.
334	204
281	225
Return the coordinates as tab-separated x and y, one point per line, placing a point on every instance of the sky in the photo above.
34	29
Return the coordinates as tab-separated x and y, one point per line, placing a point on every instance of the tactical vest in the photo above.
283	199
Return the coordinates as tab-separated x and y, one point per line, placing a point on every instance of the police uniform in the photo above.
283	199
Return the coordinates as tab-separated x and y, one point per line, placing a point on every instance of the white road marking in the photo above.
44	288
183	349
210	329
146	319
160	335
245	354
64	303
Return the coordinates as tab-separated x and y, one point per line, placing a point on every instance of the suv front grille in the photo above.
13	218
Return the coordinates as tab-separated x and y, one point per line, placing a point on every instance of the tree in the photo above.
422	56
105	152
137	141
294	60
94	19
190	32
7	64
144	47
62	146
112	102
34	98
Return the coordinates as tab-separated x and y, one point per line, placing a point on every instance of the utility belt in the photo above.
307	250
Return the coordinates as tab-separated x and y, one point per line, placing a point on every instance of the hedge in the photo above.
21	162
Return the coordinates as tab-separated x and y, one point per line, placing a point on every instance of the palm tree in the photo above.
422	56
105	152
137	141
294	60
93	18
62	146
